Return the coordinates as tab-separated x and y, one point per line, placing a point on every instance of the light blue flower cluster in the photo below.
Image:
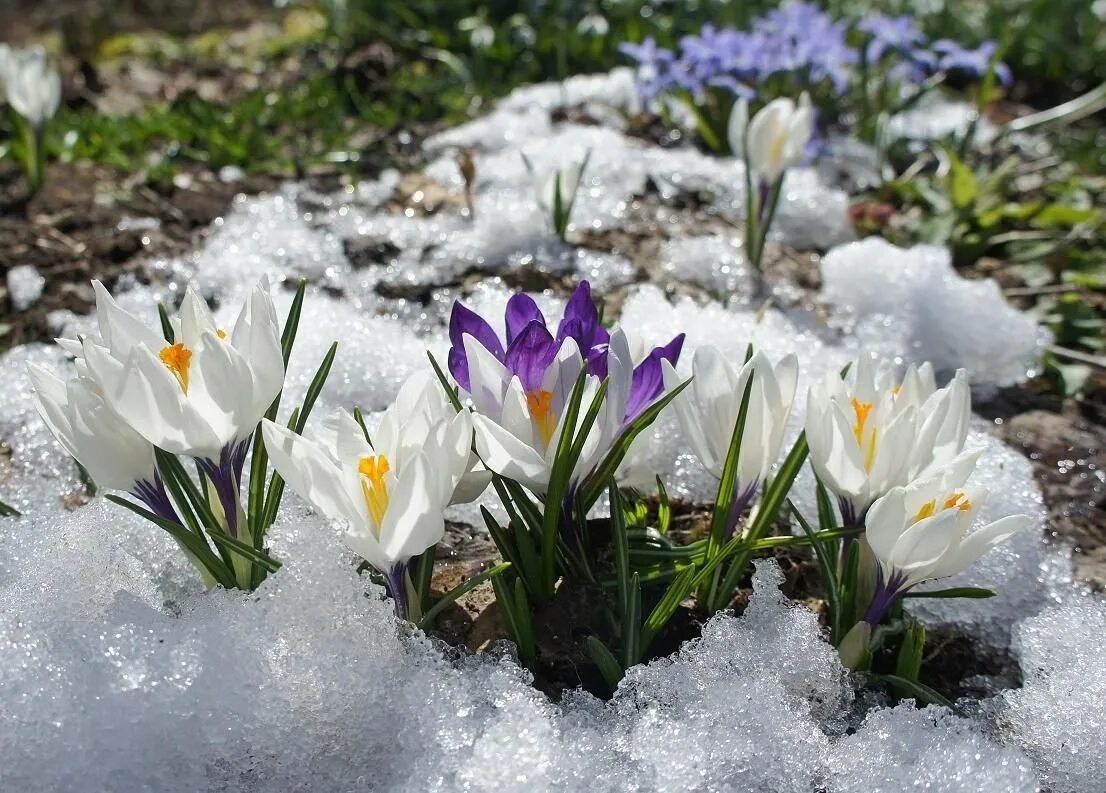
801	42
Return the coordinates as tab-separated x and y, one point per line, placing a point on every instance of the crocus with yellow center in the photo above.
389	495
924	531
200	394
871	431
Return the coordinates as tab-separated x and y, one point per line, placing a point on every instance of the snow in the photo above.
118	672
1057	715
911	303
25	284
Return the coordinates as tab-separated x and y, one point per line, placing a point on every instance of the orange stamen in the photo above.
540	404
373	487
177	358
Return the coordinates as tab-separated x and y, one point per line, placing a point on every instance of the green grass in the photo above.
444	61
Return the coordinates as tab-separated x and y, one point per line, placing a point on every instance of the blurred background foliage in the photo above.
155	88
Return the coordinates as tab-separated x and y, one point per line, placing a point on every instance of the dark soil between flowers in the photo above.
956	663
87	222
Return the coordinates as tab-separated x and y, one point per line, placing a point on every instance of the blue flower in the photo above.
891	34
953	57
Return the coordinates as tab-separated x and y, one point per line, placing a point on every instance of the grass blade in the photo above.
460	591
609	667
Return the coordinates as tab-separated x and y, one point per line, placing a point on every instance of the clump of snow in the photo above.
616	89
936	117
25	284
715	262
903	748
1057	715
910	302
118	673
266	236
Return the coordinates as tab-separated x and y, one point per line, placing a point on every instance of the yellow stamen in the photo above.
178	358
222	334
868	447
540	404
958	500
955	501
926	511
375	490
870	457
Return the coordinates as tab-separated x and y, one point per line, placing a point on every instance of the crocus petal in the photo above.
257	337
735	129
309	471
977	543
488	377
648	380
530	354
465	322
195	319
119	329
505	454
921	546
414	520
521	311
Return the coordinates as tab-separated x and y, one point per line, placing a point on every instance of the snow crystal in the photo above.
25	284
903	748
910	302
935	117
716	263
266	236
1057	714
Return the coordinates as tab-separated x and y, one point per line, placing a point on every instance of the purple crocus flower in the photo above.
531	348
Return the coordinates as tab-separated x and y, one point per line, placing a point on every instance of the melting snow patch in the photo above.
904	748
25	285
1057	716
910	302
118	673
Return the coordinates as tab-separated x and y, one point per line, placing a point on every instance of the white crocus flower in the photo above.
878	433
518	431
200	396
924	531
421	410
32	86
115	456
555	190
737	127
388	494
777	136
708	411
553	185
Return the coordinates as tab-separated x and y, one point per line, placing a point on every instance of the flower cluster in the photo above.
546	414
143	398
796	39
804	45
